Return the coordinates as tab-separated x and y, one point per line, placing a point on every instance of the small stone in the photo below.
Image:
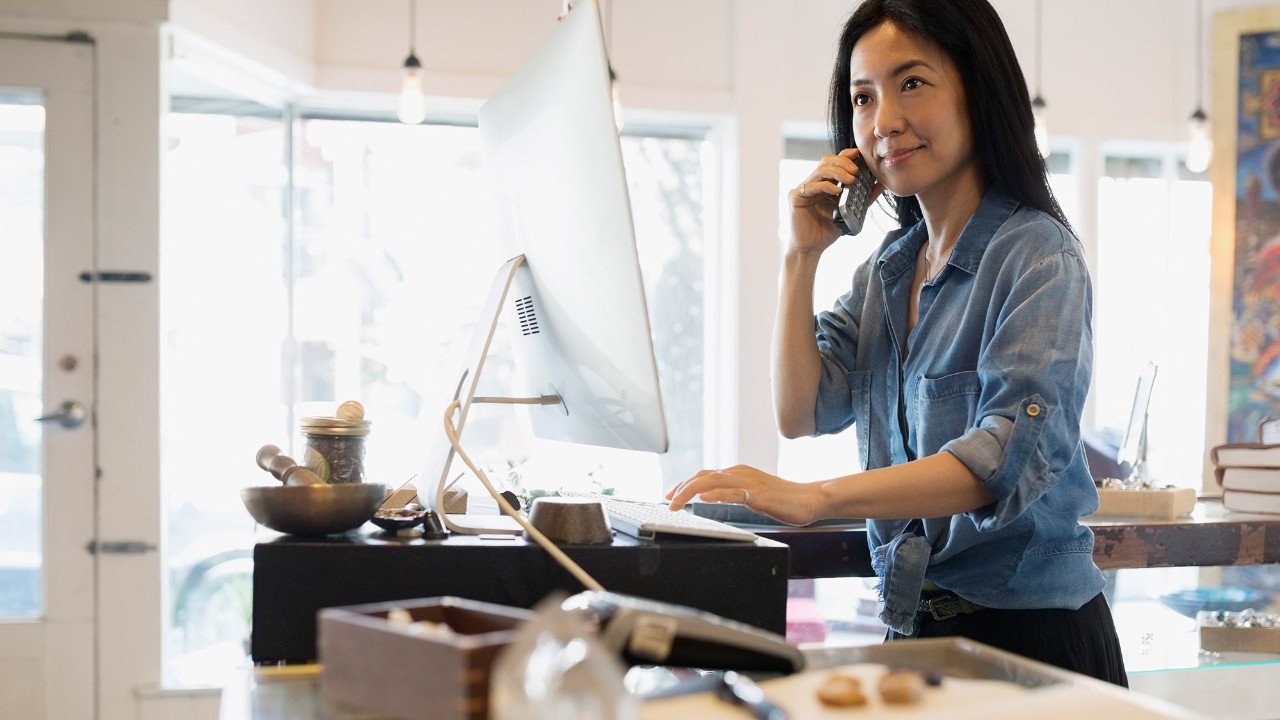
350	410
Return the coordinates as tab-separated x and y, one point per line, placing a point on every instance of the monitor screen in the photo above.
572	297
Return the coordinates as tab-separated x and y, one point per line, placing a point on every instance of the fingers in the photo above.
728	485
824	182
710	485
812	191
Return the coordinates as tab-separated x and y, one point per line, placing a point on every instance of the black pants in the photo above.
1082	641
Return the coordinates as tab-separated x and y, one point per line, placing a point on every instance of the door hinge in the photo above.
119	547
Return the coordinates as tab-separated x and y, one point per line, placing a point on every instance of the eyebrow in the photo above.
903	67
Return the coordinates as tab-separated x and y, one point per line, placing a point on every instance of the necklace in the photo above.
930	274
930	278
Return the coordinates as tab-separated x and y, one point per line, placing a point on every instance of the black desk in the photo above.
293	578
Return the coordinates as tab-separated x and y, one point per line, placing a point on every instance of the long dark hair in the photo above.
972	35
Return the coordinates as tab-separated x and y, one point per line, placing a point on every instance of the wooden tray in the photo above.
1161	503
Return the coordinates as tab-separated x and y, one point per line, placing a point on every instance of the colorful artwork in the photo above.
1255	340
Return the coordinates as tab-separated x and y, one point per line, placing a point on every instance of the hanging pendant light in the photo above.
1200	132
411	107
1039	109
1041	113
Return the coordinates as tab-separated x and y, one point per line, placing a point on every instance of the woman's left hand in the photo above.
789	502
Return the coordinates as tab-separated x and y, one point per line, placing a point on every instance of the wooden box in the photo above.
369	663
1216	637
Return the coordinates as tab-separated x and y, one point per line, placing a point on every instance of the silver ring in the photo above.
803	194
746	497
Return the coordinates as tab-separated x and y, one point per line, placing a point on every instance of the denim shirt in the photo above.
997	371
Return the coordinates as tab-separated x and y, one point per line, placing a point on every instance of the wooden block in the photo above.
1165	503
455	501
400	498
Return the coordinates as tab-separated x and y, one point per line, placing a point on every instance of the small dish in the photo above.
393	519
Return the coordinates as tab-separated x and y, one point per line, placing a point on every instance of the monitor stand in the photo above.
435	477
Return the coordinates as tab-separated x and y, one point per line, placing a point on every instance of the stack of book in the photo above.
1249	475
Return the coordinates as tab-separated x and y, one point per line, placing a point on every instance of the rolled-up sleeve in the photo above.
1034	372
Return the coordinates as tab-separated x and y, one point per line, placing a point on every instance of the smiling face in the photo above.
909	116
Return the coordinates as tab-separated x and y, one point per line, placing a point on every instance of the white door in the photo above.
47	333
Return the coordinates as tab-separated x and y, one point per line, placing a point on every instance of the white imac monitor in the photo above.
572	296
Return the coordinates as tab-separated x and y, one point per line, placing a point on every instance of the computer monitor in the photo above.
573	294
1133	449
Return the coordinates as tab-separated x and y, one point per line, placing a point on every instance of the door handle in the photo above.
71	414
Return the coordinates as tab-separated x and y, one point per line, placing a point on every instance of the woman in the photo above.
962	351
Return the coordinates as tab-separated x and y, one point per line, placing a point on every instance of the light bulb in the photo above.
1040	112
1200	144
412	106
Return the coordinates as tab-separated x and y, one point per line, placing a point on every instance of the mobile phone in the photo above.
855	198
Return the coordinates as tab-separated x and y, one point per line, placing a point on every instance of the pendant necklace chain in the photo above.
930	275
930	278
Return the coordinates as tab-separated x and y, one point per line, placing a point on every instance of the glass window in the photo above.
22	178
324	260
224	322
1152	289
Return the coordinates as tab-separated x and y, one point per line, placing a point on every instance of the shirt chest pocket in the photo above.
944	409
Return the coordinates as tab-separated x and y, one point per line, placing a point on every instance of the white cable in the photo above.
556	553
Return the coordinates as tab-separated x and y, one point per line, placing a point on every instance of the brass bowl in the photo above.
314	509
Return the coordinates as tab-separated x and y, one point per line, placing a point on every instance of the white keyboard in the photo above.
646	520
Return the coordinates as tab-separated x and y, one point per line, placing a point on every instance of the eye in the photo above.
860	99
912	83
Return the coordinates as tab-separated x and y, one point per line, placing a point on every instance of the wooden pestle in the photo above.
284	468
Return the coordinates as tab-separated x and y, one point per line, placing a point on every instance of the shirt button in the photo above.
1033	409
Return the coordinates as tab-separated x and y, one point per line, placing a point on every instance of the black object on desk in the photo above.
293	578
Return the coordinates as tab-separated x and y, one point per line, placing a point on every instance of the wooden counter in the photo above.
1210	536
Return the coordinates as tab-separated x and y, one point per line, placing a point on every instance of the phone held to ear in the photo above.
855	198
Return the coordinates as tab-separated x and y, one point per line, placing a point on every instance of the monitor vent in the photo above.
528	318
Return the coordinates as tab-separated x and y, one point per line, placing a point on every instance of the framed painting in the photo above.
1245	281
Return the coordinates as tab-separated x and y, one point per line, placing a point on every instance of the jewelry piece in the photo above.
746	497
930	278
803	194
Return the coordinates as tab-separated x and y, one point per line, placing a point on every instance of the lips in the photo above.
897	155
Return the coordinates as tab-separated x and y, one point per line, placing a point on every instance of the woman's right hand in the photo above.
814	200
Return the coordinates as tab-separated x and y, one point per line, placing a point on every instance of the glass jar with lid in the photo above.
335	447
